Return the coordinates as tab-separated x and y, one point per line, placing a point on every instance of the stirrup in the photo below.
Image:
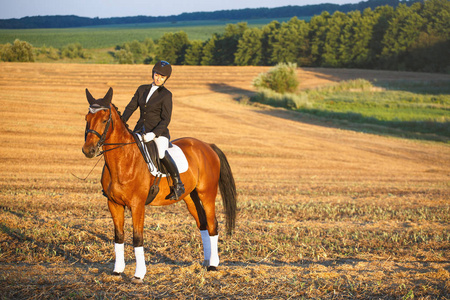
175	193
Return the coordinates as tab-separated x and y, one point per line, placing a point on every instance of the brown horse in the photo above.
126	182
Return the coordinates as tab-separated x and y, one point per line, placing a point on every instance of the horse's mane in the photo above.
120	116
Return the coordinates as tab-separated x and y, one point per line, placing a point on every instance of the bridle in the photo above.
102	137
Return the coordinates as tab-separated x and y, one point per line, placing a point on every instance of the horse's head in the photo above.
98	122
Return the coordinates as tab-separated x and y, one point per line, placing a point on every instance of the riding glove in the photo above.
149	136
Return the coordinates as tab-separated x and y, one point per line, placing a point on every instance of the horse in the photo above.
126	182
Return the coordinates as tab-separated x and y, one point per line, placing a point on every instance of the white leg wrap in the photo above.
119	265
214	260
206	247
141	269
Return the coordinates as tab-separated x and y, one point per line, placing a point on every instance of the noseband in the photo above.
102	137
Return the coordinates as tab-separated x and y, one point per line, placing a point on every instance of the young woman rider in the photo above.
155	103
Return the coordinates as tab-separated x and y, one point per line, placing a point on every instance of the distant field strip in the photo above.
110	36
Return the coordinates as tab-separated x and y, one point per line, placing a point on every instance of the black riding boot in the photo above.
178	187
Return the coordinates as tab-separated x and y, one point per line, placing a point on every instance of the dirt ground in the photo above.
324	212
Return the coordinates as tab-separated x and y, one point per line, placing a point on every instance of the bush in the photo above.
135	52
74	50
286	100
53	53
20	51
124	56
282	78
49	52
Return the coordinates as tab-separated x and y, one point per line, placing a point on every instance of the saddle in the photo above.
150	153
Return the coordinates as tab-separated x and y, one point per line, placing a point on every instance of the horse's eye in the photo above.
105	121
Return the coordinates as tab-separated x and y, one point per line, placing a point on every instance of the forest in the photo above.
414	38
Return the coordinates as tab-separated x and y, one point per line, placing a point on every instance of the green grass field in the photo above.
413	109
110	36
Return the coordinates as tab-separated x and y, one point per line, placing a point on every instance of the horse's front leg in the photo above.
138	215
117	213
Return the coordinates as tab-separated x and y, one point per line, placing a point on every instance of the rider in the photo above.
155	103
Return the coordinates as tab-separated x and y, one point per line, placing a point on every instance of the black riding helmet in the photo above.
162	67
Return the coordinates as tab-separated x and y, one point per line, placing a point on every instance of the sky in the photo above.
129	8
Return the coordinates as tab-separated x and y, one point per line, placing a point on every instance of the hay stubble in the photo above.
323	212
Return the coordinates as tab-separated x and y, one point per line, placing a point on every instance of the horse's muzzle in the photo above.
90	152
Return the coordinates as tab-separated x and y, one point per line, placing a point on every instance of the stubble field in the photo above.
323	212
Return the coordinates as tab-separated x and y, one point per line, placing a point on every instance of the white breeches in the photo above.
162	143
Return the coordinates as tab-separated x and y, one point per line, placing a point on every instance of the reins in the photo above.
100	154
88	173
120	145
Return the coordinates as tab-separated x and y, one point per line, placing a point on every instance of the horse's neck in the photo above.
120	132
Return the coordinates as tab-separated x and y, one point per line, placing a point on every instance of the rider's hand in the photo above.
149	136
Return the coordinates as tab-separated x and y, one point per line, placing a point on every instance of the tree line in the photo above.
412	38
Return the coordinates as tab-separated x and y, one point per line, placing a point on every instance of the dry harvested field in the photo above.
324	212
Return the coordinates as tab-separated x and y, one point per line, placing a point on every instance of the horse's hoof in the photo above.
116	274
137	280
205	263
212	268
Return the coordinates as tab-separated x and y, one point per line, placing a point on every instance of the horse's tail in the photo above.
227	190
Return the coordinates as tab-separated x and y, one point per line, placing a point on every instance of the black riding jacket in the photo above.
155	114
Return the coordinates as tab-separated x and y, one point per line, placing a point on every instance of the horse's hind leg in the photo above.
208	230
117	213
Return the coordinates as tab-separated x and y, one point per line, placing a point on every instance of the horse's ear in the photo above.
108	97
89	97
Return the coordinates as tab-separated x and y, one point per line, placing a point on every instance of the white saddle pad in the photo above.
175	152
